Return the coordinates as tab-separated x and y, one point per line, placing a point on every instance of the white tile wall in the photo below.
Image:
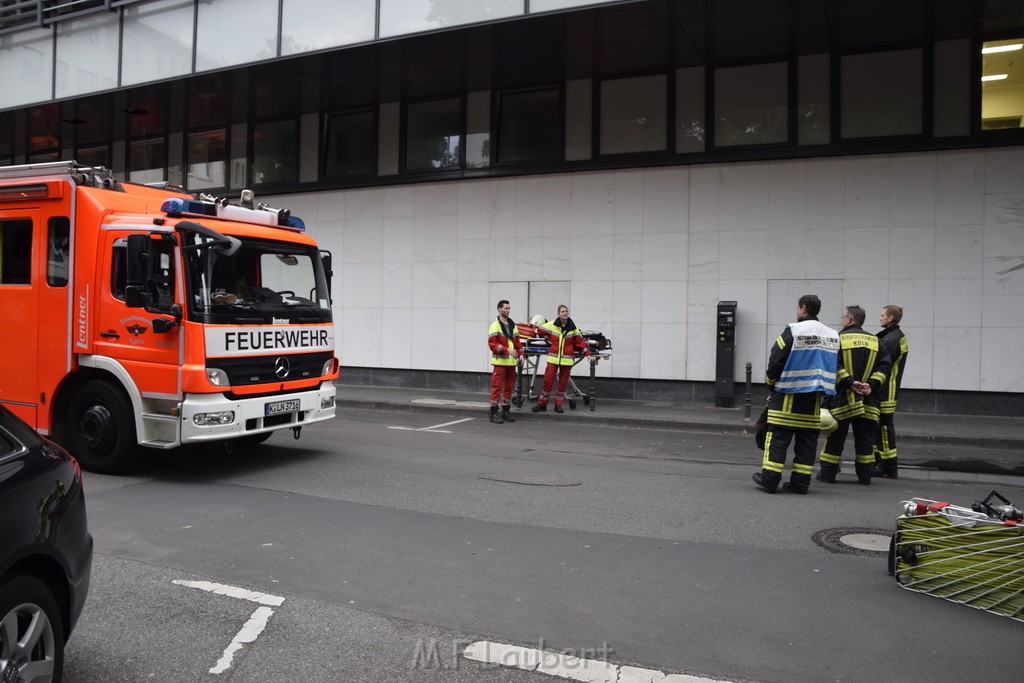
743	204
826	193
397	285
959	187
958	251
913	189
787	194
661	350
663	302
665	199
868	187
647	253
433	284
398	239
1001	351
664	256
628	207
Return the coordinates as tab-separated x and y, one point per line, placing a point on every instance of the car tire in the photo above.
101	428
31	631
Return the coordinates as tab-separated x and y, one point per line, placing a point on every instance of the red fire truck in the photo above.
143	316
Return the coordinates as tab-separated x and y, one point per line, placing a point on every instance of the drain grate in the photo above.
854	540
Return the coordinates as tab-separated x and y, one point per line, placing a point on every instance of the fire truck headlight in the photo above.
224	417
326	402
217	377
328	367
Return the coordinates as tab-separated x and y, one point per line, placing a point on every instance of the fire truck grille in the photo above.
270	369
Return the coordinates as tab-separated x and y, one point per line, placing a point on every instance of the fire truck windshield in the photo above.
260	281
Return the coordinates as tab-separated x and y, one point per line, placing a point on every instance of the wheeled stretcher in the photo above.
535	351
973	556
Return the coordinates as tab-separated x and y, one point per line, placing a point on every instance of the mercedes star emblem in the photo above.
282	367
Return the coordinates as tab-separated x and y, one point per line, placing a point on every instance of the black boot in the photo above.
495	417
827	473
539	408
505	415
887	469
762	480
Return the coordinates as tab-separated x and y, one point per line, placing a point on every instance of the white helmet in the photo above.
538	320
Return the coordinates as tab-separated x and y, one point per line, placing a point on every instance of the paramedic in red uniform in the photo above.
503	341
565	340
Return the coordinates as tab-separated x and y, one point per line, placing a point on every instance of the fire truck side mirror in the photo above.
327	259
138	271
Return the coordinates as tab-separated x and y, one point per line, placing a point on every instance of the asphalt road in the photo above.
385	540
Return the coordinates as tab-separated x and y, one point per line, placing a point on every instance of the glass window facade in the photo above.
433	135
882	94
1002	84
814	107
752	105
308	25
87	54
528	126
478	129
691	126
634	115
398	17
26	68
230	32
157	41
274	148
207	160
351	145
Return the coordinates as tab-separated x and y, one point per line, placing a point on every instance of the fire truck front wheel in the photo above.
101	429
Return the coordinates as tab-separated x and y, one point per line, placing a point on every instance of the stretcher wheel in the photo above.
572	404
518	401
586	400
892	555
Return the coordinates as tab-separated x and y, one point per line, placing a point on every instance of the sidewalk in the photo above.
1002	438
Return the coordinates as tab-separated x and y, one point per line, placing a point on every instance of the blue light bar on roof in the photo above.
181	207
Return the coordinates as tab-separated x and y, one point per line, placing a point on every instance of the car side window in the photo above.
8	446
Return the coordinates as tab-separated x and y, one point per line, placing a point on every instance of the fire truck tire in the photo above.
101	429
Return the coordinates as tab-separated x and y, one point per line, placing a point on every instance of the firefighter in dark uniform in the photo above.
801	368
895	342
863	368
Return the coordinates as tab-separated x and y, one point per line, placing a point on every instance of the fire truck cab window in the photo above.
161	283
16	252
57	251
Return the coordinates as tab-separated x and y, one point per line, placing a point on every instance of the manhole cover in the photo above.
854	541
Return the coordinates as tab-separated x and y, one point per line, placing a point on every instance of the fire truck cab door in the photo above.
127	334
21	233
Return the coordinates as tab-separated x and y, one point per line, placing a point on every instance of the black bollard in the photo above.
746	407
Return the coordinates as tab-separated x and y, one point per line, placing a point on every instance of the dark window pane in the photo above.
528	126
752	105
148	161
15	252
57	252
207	160
882	94
274	152
433	135
94	156
351	144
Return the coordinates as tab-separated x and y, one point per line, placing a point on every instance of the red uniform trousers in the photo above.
503	382
553	369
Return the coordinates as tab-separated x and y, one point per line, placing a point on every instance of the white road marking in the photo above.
569	667
251	629
435	428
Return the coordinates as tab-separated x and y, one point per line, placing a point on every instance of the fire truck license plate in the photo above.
278	407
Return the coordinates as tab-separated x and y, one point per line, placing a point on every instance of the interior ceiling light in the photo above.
994	77
1001	48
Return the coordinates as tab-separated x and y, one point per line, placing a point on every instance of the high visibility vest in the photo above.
557	354
498	339
811	364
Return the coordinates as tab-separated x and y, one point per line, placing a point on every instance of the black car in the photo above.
45	552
